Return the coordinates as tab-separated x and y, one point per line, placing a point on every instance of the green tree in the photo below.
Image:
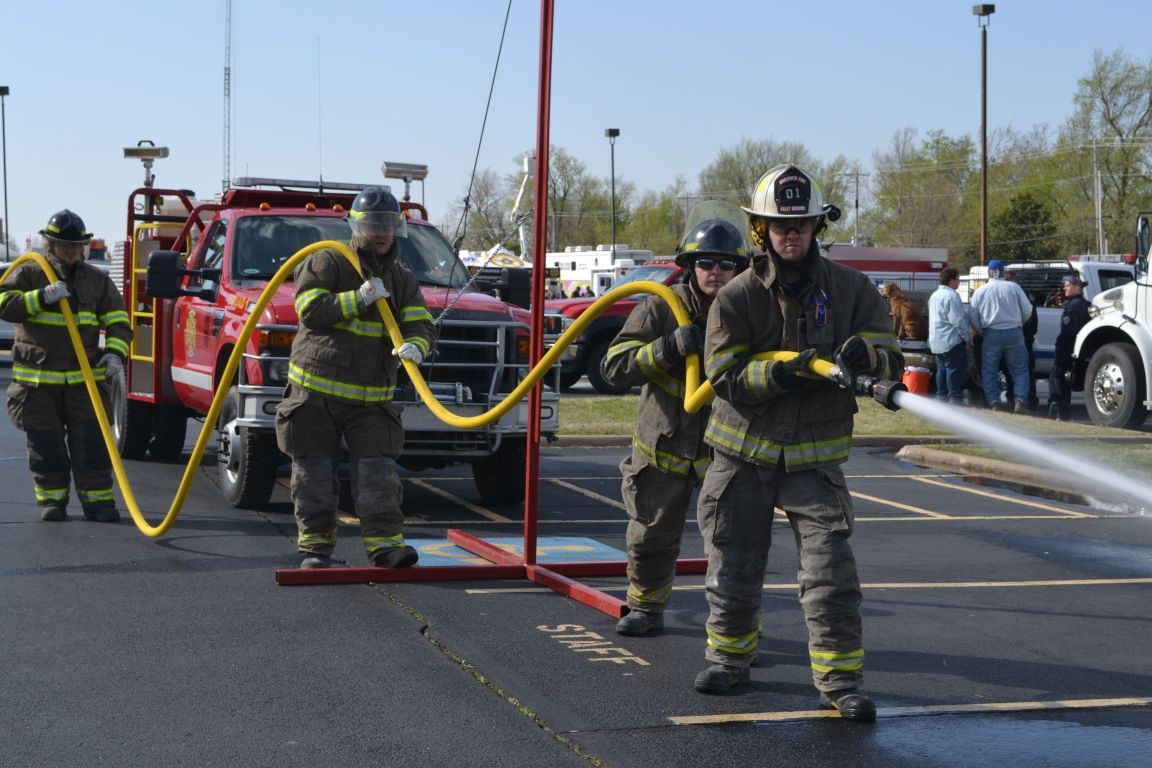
1023	231
657	222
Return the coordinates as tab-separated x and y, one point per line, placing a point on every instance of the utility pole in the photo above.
1098	193
227	94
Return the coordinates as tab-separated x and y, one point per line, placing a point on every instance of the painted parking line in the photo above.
882	585
482	511
998	497
585	492
898	505
549	549
931	710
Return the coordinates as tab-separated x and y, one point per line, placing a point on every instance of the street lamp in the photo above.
4	91
982	13
612	133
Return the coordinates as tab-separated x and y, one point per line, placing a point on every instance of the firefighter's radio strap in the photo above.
698	394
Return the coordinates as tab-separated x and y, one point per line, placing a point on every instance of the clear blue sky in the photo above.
341	88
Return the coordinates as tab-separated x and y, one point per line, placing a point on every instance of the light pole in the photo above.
612	133
982	13
4	91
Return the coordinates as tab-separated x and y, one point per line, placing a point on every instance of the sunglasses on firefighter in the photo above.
706	263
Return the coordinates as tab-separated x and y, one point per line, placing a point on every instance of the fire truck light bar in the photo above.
248	182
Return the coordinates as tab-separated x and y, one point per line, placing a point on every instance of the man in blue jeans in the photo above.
1000	308
948	337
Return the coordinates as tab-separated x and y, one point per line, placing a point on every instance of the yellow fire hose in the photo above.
697	394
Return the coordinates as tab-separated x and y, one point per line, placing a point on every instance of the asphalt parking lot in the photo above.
1000	628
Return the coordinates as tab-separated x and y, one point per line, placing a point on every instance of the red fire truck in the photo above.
228	251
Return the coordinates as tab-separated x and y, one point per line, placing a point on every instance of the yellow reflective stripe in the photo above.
646	359
349	307
734	645
723	359
112	344
32	302
415	313
668	462
113	317
51	494
362	328
759	382
621	348
656	598
27	375
355	392
102	494
765	451
57	319
420	342
373	544
306	298
316	539
828	661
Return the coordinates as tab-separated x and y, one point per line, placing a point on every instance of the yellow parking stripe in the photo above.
998	497
898	505
935	709
585	492
482	511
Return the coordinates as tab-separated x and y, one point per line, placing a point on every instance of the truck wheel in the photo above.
246	461
131	420
569	379
1114	387
595	378
500	479
169	428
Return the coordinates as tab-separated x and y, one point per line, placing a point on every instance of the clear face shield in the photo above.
67	251
372	224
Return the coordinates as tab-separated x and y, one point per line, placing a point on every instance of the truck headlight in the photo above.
276	372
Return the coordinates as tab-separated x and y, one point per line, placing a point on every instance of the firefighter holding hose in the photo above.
781	434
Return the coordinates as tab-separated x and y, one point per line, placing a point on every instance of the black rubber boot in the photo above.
851	704
720	678
396	557
54	514
640	623
103	515
316	560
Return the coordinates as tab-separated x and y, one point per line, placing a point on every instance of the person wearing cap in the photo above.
1074	317
999	310
948	337
48	399
342	375
669	457
781	434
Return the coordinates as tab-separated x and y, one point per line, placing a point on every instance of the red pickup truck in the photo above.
584	356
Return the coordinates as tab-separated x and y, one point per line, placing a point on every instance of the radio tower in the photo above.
227	94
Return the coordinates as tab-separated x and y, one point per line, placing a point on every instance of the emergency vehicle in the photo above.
594	270
229	249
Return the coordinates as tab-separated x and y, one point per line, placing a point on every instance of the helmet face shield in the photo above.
714	229
371	223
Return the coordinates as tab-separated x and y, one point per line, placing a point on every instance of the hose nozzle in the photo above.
883	392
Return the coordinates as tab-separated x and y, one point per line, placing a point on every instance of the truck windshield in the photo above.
658	273
264	243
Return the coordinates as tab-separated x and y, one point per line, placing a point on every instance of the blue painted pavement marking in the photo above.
549	549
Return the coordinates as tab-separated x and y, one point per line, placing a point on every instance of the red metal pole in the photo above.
539	249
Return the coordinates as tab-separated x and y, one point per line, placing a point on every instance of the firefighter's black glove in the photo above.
857	357
794	373
685	340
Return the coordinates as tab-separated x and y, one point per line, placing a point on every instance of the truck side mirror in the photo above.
164	275
166	272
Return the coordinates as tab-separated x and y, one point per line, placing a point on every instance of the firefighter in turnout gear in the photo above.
342	375
47	398
780	434
668	458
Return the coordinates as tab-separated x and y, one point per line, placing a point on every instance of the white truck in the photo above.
1113	351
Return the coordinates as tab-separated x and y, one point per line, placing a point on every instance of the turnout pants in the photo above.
309	428
657	503
737	503
64	443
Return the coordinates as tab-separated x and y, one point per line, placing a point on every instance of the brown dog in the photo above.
908	321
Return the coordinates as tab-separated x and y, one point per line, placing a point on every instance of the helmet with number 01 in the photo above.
375	209
786	192
66	227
